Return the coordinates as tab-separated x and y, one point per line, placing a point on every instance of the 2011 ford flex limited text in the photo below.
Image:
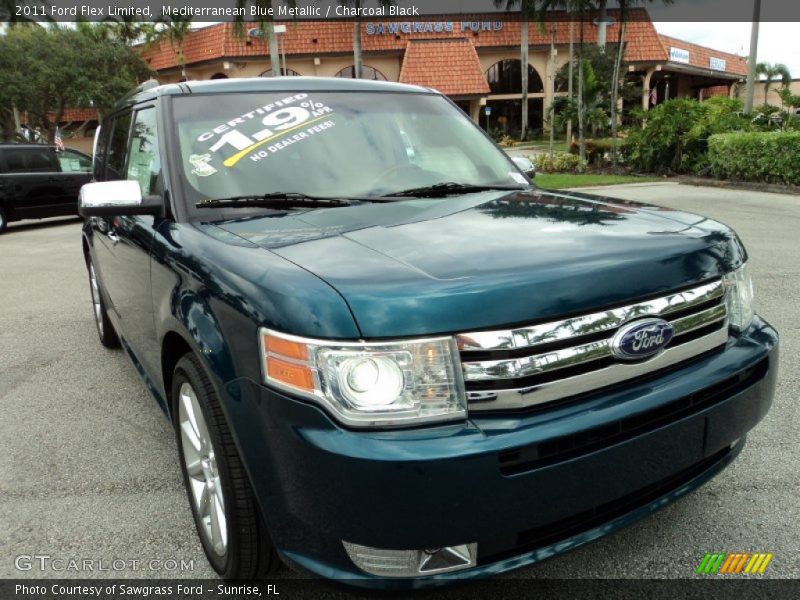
388	357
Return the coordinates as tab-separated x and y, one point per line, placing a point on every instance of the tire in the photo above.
105	330
224	508
3	220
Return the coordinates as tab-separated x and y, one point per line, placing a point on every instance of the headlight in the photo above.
369	384
739	298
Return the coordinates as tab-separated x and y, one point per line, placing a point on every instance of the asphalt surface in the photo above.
88	465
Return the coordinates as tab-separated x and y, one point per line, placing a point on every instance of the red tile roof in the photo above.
225	40
79	114
70	115
332	37
699	56
450	66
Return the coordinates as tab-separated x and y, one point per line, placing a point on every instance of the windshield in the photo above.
330	144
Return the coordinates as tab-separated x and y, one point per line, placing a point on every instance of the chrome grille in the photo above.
541	363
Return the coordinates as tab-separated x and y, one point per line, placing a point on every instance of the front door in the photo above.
124	267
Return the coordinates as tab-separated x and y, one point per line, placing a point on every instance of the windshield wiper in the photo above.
277	200
448	188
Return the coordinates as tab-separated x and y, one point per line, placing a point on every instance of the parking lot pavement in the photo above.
88	466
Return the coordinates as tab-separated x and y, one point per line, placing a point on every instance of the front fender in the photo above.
198	322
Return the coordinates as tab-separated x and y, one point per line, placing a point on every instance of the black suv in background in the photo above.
36	182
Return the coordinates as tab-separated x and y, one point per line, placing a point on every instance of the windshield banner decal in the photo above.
272	123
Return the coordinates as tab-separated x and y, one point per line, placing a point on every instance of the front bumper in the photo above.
523	486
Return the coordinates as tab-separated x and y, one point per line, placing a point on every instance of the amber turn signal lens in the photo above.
286	348
298	376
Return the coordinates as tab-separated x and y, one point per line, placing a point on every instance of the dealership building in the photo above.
474	59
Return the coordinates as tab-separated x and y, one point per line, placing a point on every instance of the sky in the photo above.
777	42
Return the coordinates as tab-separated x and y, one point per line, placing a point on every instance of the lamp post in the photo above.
282	29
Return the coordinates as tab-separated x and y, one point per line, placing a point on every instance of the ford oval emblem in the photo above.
641	339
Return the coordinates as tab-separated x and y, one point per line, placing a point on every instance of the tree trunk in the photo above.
551	71
581	119
357	59
524	69
753	58
571	73
615	88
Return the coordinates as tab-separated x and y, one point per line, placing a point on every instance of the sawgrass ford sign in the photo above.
408	27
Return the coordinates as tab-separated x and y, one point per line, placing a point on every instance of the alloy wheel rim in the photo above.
200	461
97	307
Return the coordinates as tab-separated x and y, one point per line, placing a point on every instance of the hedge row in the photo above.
773	157
563	162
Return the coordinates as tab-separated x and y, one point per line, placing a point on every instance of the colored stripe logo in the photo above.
719	563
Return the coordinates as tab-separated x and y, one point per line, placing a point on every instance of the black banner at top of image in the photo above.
322	10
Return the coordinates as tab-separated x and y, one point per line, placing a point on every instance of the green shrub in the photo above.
675	137
598	152
563	162
757	156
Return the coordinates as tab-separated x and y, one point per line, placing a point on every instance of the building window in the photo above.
287	72
367	72
505	77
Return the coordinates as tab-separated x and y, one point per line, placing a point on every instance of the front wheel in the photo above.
105	330
231	530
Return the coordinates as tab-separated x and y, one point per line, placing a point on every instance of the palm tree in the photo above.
771	73
624	9
174	29
128	29
579	8
593	102
96	31
266	27
536	9
523	35
358	62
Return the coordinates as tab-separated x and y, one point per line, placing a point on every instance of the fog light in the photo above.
412	563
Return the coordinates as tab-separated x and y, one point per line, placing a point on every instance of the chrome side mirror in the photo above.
116	198
525	165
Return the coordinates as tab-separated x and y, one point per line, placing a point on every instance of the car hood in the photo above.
425	266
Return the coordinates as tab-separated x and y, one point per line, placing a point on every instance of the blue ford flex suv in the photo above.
388	357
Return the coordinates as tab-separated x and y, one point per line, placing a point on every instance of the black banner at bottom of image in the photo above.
291	589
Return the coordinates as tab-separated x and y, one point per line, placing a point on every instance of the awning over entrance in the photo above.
448	65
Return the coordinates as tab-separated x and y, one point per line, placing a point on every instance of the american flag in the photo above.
58	141
654	96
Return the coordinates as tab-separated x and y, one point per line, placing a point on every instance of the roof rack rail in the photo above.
148	85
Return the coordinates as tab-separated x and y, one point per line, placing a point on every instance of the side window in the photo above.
144	163
15	162
72	162
118	147
31	160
